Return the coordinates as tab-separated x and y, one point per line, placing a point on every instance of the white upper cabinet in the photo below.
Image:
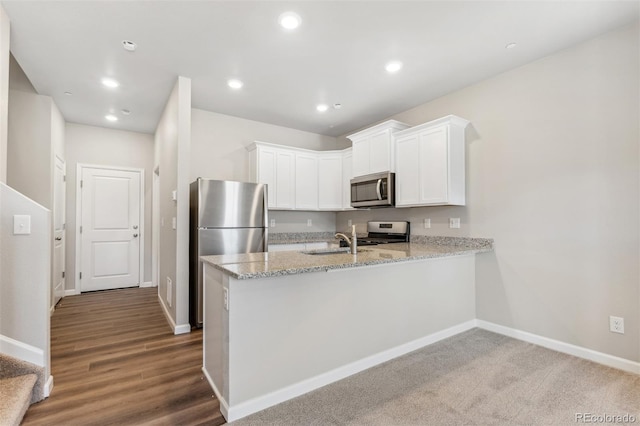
430	163
347	167
301	179
330	185
306	181
373	148
276	168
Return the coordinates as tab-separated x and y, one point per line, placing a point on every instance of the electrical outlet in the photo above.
225	297
454	222
272	224
616	324
169	291
349	223
309	222
426	223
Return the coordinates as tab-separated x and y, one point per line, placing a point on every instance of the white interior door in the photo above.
59	194
110	228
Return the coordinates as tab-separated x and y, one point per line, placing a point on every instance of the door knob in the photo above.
135	235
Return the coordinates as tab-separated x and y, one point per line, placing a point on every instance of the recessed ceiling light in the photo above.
289	20
125	112
510	46
111	83
68	93
337	106
129	45
393	67
111	117
322	107
234	83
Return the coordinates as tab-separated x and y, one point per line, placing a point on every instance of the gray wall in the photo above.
552	175
92	145
172	142
218	151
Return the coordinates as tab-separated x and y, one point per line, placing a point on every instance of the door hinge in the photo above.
64	178
62	274
80	275
64	226
81	182
81	229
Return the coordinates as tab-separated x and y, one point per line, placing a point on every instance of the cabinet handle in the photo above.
135	235
58	238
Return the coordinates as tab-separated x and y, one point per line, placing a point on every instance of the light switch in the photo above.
174	223
174	195
21	224
454	222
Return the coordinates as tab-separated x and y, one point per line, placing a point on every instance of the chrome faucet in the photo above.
352	242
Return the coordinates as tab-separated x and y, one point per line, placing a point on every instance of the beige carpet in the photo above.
474	378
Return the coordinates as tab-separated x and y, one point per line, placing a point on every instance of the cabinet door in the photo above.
306	181
408	170
347	166
434	161
380	154
266	165
330	181
361	157
285	180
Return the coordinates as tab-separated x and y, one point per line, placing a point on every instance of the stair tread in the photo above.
15	398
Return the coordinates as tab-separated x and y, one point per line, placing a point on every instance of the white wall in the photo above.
172	144
218	151
5	26
552	176
29	151
106	147
25	264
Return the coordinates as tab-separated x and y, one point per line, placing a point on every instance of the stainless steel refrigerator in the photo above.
225	218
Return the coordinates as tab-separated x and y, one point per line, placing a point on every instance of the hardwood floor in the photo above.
115	360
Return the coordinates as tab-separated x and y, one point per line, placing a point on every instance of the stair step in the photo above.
15	398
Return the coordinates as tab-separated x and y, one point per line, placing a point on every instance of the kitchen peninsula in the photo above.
280	324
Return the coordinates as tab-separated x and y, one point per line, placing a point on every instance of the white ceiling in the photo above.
336	56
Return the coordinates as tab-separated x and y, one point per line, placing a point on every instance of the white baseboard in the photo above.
177	329
23	351
260	403
147	284
567	348
48	387
224	406
71	292
182	329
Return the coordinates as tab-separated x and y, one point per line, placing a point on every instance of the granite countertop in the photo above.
273	264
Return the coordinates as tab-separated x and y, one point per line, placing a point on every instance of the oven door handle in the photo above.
379	189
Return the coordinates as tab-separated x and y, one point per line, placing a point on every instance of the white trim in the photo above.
22	351
566	348
48	387
79	167
260	403
52	310
182	329
71	292
177	329
147	284
224	405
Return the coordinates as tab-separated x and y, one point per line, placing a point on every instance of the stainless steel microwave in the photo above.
376	190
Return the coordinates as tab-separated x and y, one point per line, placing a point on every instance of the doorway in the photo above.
109	221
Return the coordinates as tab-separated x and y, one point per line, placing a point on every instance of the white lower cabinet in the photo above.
430	169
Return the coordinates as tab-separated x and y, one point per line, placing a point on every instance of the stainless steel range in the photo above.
384	233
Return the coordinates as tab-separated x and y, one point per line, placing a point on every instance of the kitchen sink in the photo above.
339	250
